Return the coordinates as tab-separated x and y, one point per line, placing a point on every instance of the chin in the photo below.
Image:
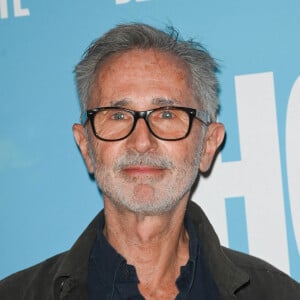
149	207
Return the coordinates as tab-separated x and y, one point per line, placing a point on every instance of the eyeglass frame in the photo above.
200	115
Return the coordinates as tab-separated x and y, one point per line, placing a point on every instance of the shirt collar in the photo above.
113	271
108	268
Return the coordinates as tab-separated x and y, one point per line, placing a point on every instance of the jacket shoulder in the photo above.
31	283
247	261
265	279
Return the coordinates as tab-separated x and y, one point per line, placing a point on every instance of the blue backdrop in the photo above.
46	196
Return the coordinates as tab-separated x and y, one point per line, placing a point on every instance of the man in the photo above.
148	127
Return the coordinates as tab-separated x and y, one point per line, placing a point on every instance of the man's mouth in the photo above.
143	165
143	170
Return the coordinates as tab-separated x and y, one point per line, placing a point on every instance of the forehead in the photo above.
141	75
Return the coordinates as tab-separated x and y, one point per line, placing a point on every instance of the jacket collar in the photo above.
70	281
228	276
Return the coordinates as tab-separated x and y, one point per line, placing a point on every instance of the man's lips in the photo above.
143	170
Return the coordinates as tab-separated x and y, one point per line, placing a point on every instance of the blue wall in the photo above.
46	196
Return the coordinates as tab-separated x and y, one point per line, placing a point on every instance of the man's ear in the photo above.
213	139
82	143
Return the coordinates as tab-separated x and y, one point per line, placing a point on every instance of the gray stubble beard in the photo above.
117	194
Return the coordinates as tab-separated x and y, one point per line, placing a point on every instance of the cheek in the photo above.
181	152
190	152
105	154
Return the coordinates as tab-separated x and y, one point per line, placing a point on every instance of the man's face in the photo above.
142	173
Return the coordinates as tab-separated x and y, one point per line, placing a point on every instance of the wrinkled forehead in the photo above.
138	72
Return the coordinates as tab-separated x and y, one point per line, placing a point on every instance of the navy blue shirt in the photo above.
110	277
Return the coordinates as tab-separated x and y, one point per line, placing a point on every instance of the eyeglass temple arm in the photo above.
83	118
203	116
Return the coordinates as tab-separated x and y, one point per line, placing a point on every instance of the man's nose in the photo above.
141	139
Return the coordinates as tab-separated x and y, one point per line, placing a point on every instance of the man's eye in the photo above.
118	116
167	115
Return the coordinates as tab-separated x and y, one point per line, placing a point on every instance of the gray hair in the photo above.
125	37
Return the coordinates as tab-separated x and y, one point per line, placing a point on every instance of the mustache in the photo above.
137	159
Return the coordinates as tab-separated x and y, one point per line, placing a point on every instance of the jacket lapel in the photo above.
70	281
229	278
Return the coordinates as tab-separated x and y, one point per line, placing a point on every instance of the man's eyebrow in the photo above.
164	101
119	103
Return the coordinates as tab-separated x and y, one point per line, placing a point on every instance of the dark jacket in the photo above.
238	276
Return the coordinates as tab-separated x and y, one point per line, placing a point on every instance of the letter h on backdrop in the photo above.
252	218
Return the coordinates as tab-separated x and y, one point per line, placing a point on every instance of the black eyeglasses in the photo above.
170	123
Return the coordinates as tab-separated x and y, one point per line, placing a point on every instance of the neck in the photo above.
156	245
